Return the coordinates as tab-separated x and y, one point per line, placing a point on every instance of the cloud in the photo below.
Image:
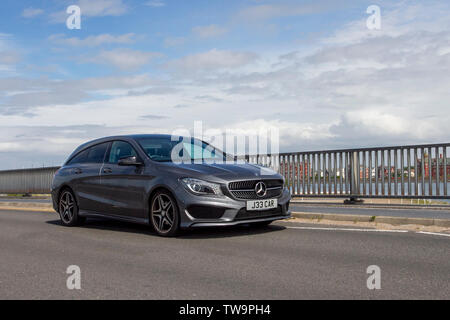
4	41
100	8
152	117
289	130
181	106
174	41
20	145
93	41
23	101
248	90
14	84
9	57
213	60
124	59
21	96
284	9
154	90
208	98
93	8
397	19
155	4
210	31
31	12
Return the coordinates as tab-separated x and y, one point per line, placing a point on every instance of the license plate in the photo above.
262	204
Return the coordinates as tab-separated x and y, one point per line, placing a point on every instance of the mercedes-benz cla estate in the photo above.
135	178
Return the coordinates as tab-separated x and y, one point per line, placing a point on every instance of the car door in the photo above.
124	186
87	181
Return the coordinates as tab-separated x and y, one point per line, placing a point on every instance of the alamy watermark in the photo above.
74	19
262	145
374	20
74	280
374	280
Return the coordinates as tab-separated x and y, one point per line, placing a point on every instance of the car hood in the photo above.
226	171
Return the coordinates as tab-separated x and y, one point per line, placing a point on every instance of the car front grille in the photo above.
245	190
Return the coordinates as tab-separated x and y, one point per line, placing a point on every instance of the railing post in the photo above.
354	179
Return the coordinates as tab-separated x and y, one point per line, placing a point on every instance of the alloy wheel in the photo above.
67	207
163	213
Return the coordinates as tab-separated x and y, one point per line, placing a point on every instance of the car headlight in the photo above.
200	187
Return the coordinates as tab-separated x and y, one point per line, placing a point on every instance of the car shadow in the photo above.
193	233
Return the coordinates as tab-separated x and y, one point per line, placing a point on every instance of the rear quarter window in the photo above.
79	158
94	154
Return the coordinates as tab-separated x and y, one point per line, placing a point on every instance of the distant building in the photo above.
305	168
426	167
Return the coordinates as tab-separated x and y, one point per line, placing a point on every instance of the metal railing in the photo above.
419	172
416	172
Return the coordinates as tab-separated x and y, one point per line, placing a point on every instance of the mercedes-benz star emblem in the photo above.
260	189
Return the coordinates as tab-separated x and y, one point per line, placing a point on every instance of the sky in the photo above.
311	69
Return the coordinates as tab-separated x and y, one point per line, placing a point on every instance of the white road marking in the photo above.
348	229
434	233
369	230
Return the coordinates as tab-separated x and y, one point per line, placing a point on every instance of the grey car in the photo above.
169	183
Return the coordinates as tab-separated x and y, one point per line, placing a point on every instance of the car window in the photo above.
199	150
96	154
119	150
79	158
160	149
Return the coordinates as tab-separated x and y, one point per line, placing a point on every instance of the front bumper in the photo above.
232	211
235	223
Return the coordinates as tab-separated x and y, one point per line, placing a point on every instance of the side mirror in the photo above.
129	161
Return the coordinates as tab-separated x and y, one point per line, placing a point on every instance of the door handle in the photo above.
107	170
78	171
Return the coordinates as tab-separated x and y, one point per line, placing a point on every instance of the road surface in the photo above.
283	261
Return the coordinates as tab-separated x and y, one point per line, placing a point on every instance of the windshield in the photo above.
182	150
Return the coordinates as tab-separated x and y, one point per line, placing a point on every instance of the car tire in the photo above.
68	209
164	215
